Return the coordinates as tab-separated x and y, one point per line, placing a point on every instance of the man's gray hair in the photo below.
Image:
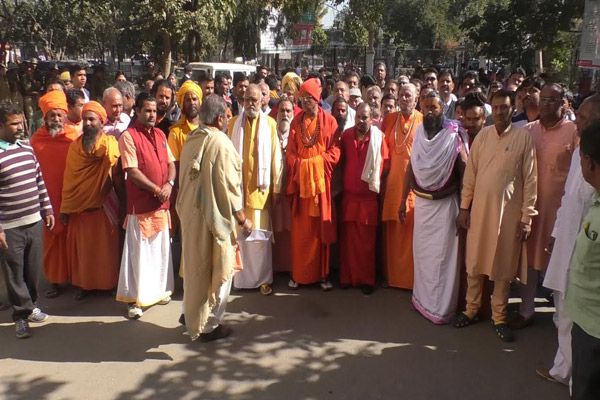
126	88
434	94
365	105
410	86
212	107
373	89
110	91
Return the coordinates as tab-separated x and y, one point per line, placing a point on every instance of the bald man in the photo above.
117	121
254	135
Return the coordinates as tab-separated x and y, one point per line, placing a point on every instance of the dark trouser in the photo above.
586	365
22	266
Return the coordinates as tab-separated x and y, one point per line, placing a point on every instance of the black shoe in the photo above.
220	332
519	322
22	330
367	289
504	332
80	294
182	319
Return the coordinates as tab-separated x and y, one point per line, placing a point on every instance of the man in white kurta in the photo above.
436	165
574	205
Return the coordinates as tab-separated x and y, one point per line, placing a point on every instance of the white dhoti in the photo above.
563	364
146	275
256	251
435	250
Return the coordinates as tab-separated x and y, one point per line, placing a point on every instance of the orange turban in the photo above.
95	107
312	87
53	100
188	86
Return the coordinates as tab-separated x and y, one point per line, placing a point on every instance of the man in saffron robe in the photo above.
254	135
280	211
189	99
364	153
51	144
400	128
93	236
311	157
146	276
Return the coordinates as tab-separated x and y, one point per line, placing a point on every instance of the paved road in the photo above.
305	345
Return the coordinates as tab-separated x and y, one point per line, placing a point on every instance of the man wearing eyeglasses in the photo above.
254	136
554	138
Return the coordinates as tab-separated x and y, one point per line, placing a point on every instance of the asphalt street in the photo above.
304	344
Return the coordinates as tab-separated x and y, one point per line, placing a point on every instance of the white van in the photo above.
212	69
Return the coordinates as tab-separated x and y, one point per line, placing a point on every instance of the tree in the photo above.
513	29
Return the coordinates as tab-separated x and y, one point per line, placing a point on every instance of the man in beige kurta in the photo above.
497	204
254	136
554	138
209	204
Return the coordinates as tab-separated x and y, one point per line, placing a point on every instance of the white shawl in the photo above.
372	168
433	160
263	141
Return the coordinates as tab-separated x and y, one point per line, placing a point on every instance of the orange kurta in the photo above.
51	153
399	134
92	238
310	167
554	147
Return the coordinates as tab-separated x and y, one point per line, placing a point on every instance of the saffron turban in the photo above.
96	107
53	100
188	86
290	83
312	87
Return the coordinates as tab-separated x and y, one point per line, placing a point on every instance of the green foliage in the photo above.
320	39
511	28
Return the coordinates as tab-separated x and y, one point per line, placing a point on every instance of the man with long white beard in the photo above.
50	144
281	211
254	135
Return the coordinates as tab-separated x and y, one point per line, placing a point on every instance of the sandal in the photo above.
292	284
504	332
265	289
462	320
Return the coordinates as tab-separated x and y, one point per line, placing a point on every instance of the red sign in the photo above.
304	34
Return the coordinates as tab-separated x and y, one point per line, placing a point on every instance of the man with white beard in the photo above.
51	144
280	211
254	136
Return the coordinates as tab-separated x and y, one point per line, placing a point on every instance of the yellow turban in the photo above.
187	87
96	107
291	83
65	76
53	100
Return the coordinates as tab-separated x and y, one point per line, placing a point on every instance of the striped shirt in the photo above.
23	196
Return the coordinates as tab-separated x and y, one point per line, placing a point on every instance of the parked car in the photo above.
212	69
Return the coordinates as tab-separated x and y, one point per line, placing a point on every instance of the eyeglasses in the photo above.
550	99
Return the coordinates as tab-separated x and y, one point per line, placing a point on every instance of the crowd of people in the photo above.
434	183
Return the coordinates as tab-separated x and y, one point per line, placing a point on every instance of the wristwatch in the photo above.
171	182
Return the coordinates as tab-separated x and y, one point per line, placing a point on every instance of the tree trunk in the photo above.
370	54
166	53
